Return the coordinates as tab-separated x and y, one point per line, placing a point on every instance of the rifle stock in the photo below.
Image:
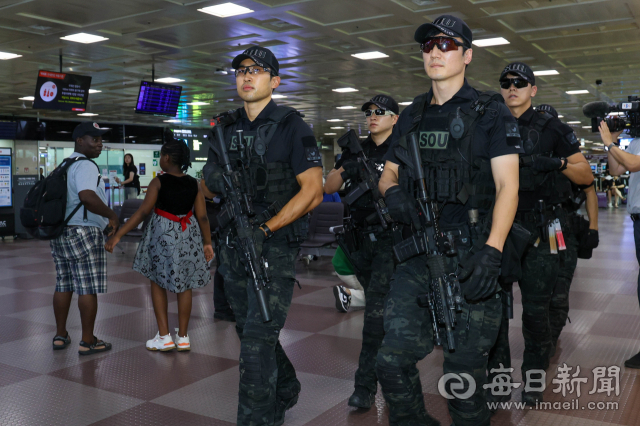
237	211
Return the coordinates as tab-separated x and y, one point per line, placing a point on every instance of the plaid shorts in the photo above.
81	260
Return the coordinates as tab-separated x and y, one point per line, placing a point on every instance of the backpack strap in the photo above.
417	109
72	161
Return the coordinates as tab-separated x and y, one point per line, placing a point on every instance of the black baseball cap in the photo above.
385	102
87	128
520	69
261	56
447	24
547	108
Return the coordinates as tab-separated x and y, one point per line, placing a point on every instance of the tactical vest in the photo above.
552	187
453	174
273	183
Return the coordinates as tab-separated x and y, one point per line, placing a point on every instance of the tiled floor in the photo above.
131	386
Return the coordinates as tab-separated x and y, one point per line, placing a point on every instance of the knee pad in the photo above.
393	380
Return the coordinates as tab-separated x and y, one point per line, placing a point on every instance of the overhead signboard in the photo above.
62	91
158	99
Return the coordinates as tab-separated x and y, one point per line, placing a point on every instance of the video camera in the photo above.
598	111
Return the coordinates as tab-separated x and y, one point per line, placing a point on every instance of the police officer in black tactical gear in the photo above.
469	145
550	163
278	153
369	242
585	233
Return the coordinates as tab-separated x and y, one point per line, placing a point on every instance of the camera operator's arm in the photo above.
619	161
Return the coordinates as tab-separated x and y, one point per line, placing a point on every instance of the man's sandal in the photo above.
65	342
93	348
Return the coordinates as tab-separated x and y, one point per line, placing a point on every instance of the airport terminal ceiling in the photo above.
583	40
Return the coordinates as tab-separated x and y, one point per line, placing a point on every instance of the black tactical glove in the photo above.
479	274
546	164
402	208
214	180
351	170
590	239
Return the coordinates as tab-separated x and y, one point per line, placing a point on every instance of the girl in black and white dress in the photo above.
174	250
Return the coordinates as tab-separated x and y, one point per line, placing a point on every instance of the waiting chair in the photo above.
129	207
320	240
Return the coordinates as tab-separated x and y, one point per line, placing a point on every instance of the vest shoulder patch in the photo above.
312	153
513	133
571	138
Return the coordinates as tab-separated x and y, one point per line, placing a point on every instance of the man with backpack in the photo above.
78	252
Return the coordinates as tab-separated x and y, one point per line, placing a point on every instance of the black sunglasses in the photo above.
379	111
445	44
506	83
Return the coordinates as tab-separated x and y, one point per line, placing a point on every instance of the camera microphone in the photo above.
596	109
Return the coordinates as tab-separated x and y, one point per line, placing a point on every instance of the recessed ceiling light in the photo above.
170	121
345	90
496	41
5	56
95	91
346	107
370	55
198	103
278	96
364	137
225	10
561	116
335	120
337	128
168	80
405	103
87	114
84	38
577	92
330	134
573	122
27	98
546	72
586	127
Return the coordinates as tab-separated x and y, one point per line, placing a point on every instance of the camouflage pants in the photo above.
265	371
559	306
540	269
374	263
409	338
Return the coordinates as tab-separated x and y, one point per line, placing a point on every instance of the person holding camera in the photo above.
620	162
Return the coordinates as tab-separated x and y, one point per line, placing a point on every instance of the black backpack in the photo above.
46	204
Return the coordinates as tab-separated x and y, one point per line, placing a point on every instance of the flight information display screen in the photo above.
158	99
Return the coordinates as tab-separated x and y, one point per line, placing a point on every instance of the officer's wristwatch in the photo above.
268	233
565	163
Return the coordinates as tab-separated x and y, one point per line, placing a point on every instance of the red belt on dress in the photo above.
183	220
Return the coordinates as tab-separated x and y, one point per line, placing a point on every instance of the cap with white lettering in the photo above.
447	24
261	56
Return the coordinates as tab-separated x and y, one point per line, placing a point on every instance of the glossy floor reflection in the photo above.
132	386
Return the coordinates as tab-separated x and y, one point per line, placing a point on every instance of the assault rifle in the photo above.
369	178
239	210
443	298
